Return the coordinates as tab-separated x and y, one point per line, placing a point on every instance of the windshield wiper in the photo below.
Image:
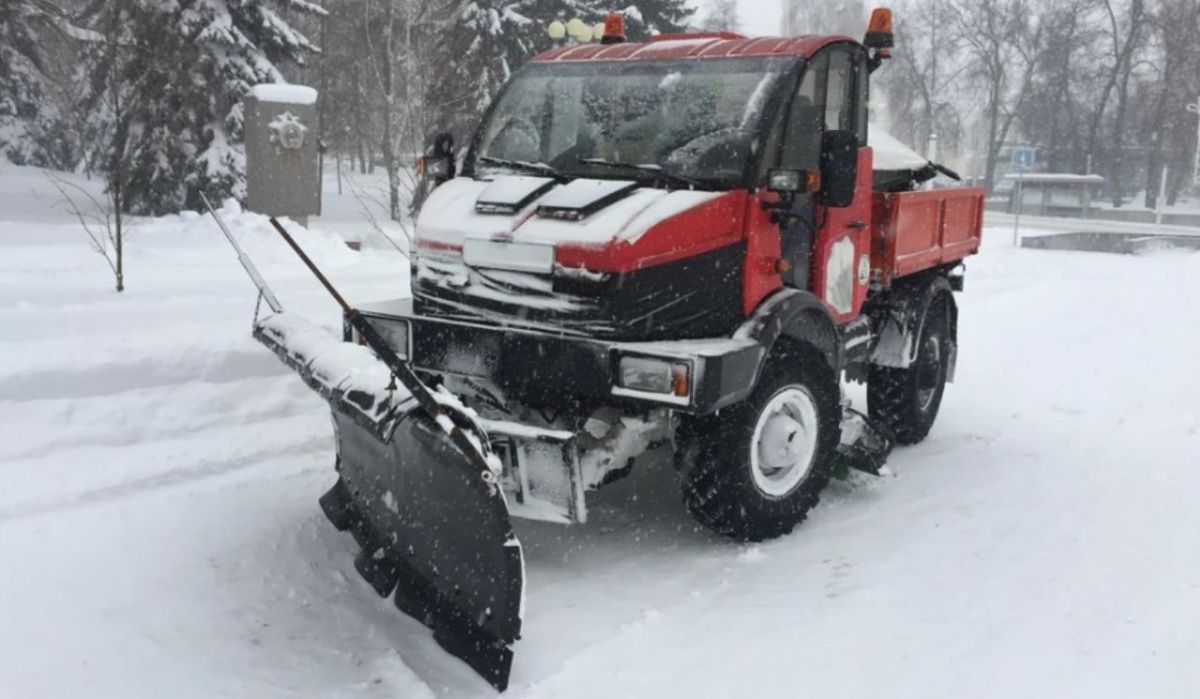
655	170
538	168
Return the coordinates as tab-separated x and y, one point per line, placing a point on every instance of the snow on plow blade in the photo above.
431	531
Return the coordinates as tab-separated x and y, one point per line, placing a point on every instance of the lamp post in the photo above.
1195	109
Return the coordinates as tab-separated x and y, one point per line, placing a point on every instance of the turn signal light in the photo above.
654	375
681	380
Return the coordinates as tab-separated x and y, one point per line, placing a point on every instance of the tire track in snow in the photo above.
112	377
166	479
108	446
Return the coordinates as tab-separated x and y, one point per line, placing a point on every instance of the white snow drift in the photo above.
160	535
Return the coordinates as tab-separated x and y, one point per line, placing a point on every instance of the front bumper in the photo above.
549	368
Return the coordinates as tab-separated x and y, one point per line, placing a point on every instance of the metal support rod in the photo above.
311	267
263	290
1195	109
1162	199
1020	200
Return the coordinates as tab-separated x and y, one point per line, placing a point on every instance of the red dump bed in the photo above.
916	231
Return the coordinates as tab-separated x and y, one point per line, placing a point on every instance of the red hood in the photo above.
641	228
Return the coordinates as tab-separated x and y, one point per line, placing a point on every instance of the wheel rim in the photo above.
785	442
929	372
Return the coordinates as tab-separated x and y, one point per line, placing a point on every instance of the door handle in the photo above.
857	225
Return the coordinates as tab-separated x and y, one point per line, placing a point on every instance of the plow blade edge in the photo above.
434	532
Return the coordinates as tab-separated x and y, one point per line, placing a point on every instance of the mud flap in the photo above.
435	534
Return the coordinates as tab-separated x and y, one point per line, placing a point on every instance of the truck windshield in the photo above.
692	121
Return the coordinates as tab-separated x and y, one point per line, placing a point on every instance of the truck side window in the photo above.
831	96
862	96
839	104
802	137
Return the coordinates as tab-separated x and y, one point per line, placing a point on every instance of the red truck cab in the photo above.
663	233
812	86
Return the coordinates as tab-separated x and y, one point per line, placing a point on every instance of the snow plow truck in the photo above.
683	243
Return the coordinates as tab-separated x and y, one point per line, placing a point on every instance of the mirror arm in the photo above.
781	211
876	59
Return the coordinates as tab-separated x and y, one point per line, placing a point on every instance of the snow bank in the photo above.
158	512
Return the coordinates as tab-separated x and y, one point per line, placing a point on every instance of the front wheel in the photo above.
754	471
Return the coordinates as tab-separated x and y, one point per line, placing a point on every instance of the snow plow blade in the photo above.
433	533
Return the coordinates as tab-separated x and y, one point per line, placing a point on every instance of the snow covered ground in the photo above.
160	535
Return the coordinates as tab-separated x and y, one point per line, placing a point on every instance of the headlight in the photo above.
397	334
650	375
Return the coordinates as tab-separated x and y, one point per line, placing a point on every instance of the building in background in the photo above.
847	17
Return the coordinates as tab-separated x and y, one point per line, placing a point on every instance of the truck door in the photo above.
804	122
826	247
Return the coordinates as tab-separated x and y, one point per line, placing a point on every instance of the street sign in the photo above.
1023	159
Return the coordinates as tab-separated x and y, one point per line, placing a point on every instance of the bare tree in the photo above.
1174	84
399	68
112	99
101	220
1124	34
374	206
921	83
1059	105
1002	41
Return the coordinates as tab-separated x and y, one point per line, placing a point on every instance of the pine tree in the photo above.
646	18
184	68
30	126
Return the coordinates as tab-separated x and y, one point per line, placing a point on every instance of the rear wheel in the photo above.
906	401
755	470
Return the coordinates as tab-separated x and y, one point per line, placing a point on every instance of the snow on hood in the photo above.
891	154
449	216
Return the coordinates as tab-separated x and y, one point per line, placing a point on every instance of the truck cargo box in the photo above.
916	231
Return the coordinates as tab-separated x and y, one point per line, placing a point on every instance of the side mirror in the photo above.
839	168
443	145
438	165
